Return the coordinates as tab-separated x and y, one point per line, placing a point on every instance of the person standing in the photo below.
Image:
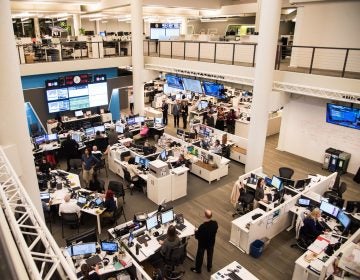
176	113
70	149
230	121
164	109
131	103
88	162
184	112
220	120
205	234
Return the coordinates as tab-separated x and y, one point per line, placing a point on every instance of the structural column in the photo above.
76	24
97	27
137	53
264	76
14	133
184	25
257	16
37	28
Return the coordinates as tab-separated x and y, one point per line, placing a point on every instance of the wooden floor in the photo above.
277	261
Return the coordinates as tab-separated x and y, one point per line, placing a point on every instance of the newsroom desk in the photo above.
57	196
234	268
153	245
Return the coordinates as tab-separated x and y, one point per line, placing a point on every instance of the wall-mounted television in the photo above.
77	97
192	85
214	89
343	115
174	81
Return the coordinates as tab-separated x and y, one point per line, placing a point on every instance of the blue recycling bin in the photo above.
256	248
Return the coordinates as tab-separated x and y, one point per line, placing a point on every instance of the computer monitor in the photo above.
300	184
131	121
287	182
119	129
137	159
84	249
109	247
267	181
82	199
343	219
305	202
98	201
151	222
89	131
139	119
76	137
163	155
276	183
100	128
40	139
158	120
329	209
52	137
144	162
167	217
79	113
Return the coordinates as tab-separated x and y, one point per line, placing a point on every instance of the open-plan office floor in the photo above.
276	262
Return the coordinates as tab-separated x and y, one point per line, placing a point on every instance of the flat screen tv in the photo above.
343	115
174	81
213	89
192	85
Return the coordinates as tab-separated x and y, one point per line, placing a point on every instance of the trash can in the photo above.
256	248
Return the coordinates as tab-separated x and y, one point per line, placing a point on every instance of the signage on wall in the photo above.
71	80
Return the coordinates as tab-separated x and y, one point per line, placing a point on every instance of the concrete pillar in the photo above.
13	125
184	25
76	24
264	76
97	27
257	16
37	28
137	55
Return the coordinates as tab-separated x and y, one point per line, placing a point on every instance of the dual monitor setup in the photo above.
186	134
90	248
45	138
209	88
165	218
136	120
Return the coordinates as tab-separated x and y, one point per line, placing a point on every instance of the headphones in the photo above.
106	261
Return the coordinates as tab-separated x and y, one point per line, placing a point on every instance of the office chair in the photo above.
286	172
342	189
130	182
245	200
119	211
101	165
75	166
71	219
118	189
102	185
176	257
48	219
301	241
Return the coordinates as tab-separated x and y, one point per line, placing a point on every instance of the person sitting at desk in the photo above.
109	204
88	163
181	161
98	134
89	274
217	148
259	192
312	228
69	206
44	166
171	241
70	150
132	168
112	136
144	132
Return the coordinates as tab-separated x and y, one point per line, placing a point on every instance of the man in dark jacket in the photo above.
164	109
205	235
70	149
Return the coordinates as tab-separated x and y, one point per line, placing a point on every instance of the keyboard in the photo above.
161	237
180	226
234	276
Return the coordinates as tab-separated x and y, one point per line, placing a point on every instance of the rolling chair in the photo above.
119	211
75	166
342	188
245	200
71	219
301	242
101	165
176	257
118	189
286	172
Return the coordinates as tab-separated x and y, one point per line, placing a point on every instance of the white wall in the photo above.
328	24
305	132
111	25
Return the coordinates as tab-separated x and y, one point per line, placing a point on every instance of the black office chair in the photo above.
245	201
102	185
176	257
101	165
75	166
48	219
71	219
118	189
116	215
286	172
128	181
342	189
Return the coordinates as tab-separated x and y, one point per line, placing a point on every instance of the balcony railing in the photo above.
338	62
329	61
33	53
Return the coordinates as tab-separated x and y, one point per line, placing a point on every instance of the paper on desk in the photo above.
318	246
147	252
317	264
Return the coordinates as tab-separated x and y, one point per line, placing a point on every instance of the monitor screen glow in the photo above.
158	120
84	249
329	209
174	81
343	219
276	183
119	129
110	247
89	131
192	85
52	137
100	128
151	222
167	217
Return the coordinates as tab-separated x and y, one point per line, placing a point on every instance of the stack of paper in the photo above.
318	245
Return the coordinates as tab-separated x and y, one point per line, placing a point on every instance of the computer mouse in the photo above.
156	234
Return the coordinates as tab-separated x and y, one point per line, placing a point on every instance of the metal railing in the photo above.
40	253
32	53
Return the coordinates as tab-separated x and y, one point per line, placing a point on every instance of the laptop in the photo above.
81	201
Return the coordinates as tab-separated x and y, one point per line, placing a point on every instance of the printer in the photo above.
158	168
